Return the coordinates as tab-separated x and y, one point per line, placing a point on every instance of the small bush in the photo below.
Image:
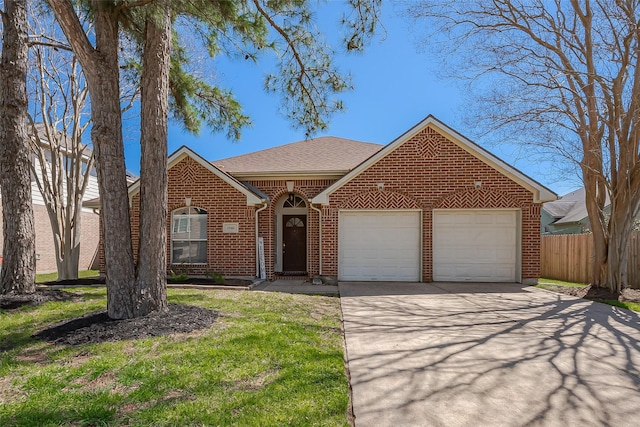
176	276
216	277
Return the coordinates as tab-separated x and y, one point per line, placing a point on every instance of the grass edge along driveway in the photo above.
269	359
562	286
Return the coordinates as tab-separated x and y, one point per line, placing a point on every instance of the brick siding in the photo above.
230	254
431	172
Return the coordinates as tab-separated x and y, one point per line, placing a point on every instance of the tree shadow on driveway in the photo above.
488	354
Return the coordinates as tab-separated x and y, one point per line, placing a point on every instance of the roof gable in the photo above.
183	152
571	207
540	192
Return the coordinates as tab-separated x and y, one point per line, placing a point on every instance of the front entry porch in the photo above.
291	237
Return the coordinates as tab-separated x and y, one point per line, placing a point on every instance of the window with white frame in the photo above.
294	201
189	236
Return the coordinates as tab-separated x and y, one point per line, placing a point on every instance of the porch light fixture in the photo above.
290	186
381	186
187	201
478	185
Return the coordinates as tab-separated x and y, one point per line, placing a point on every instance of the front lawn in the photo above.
51	277
269	359
544	281
583	290
635	306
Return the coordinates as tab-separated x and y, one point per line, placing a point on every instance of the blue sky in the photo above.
395	88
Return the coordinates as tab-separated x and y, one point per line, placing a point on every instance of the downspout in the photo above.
264	206
319	237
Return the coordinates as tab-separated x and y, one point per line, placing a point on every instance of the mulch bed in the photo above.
97	327
94	328
90	281
10	302
596	293
189	281
210	282
630	295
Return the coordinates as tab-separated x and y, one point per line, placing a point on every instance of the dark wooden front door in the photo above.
294	243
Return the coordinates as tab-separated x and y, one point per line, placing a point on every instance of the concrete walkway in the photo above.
488	355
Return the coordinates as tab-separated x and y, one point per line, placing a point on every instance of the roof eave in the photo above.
183	152
541	194
91	204
278	175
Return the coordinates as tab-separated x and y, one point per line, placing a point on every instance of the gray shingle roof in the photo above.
569	208
323	154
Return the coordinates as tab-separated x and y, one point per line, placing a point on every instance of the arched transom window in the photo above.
294	222
294	201
189	236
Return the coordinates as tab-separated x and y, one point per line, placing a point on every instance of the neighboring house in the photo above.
90	222
430	206
567	215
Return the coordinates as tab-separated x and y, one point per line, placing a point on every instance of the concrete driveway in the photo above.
459	354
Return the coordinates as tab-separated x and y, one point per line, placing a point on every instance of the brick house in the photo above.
429	206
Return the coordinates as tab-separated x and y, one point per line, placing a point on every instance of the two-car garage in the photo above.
467	245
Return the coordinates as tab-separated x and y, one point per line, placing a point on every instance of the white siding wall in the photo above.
90	228
90	193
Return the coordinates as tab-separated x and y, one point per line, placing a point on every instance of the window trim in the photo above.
197	212
294	201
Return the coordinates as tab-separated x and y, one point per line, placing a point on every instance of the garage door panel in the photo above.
505	254
475	245
484	219
476	273
379	245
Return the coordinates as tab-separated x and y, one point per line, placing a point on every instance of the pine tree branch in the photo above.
127	6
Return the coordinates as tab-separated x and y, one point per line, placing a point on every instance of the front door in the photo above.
294	243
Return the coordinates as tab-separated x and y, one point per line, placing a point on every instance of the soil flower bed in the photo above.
629	298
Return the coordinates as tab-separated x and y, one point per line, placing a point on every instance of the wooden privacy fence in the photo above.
568	257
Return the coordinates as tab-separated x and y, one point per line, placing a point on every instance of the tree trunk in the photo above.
595	209
18	267
623	208
151	285
67	245
101	69
106	134
610	238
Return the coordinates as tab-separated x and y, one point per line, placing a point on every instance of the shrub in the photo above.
176	276
216	277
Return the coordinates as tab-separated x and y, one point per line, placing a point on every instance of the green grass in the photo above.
552	285
635	306
50	277
269	359
543	281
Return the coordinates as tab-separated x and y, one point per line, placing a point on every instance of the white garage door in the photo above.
379	246
475	245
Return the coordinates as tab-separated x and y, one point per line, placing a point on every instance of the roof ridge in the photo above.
288	144
321	154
